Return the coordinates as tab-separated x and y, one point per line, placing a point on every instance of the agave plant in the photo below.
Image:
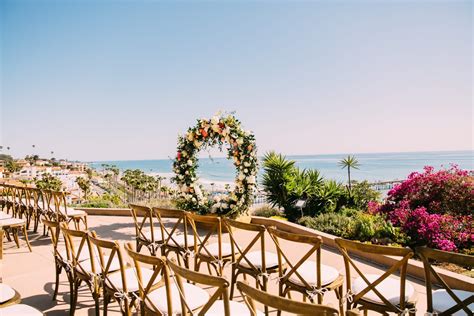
278	172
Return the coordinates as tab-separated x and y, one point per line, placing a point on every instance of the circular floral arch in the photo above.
218	130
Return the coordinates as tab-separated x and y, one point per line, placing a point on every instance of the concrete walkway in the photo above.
33	275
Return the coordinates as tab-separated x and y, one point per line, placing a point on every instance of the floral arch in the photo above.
219	130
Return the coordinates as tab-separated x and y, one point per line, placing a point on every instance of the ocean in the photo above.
373	167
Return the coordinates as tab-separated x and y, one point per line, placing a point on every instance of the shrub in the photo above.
331	223
48	182
267	211
433	209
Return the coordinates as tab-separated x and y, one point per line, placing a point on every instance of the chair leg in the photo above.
25	233
56	287
232	282
74	297
15	237
106	303
264	288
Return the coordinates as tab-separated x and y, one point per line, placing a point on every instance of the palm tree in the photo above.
349	162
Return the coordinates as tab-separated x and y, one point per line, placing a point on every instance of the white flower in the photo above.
187	172
215	128
246	170
247	164
241	176
190	136
239	141
224	205
184	153
180	176
190	162
197	143
251	179
194	200
215	120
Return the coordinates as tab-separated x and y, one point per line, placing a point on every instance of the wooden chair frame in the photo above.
140	226
220	284
169	243
345	246
251	294
60	202
38	207
427	255
60	262
287	269
91	278
160	269
261	276
201	252
110	291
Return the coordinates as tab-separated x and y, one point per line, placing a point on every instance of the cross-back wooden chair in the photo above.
11	227
78	245
446	301
154	291
22	202
38	207
120	285
2	196
175	234
252	295
62	260
259	264
379	292
215	254
146	233
306	275
11	199
71	215
197	301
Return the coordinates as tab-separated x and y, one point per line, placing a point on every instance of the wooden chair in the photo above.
197	301
259	264
306	276
216	254
12	226
122	284
379	292
175	237
84	265
10	296
62	259
154	292
71	215
146	233
38	206
446	301
251	294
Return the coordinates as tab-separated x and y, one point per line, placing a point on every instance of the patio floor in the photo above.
33	275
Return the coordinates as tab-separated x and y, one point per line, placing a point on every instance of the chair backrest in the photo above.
251	294
169	230
219	284
213	226
54	231
242	249
291	269
429	255
145	223
160	277
109	252
345	246
78	246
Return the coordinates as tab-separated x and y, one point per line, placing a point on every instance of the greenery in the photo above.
140	183
12	166
5	157
48	182
349	162
85	185
267	211
285	185
106	200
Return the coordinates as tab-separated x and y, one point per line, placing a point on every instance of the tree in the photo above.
48	182
349	162
12	166
85	185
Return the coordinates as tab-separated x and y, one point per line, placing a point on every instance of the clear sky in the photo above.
99	80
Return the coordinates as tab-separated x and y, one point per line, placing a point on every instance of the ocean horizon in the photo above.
374	167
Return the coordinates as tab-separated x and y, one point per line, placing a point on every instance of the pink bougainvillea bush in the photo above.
434	208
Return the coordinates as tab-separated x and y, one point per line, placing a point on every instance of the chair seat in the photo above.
443	301
114	280
255	257
83	256
86	265
6	293
4	215
195	297
389	288
179	241
156	234
71	212
236	309
6	222
308	272
20	309
214	250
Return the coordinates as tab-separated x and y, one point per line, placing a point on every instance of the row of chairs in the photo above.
33	204
380	292
156	284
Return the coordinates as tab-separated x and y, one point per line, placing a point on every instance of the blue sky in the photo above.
99	80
